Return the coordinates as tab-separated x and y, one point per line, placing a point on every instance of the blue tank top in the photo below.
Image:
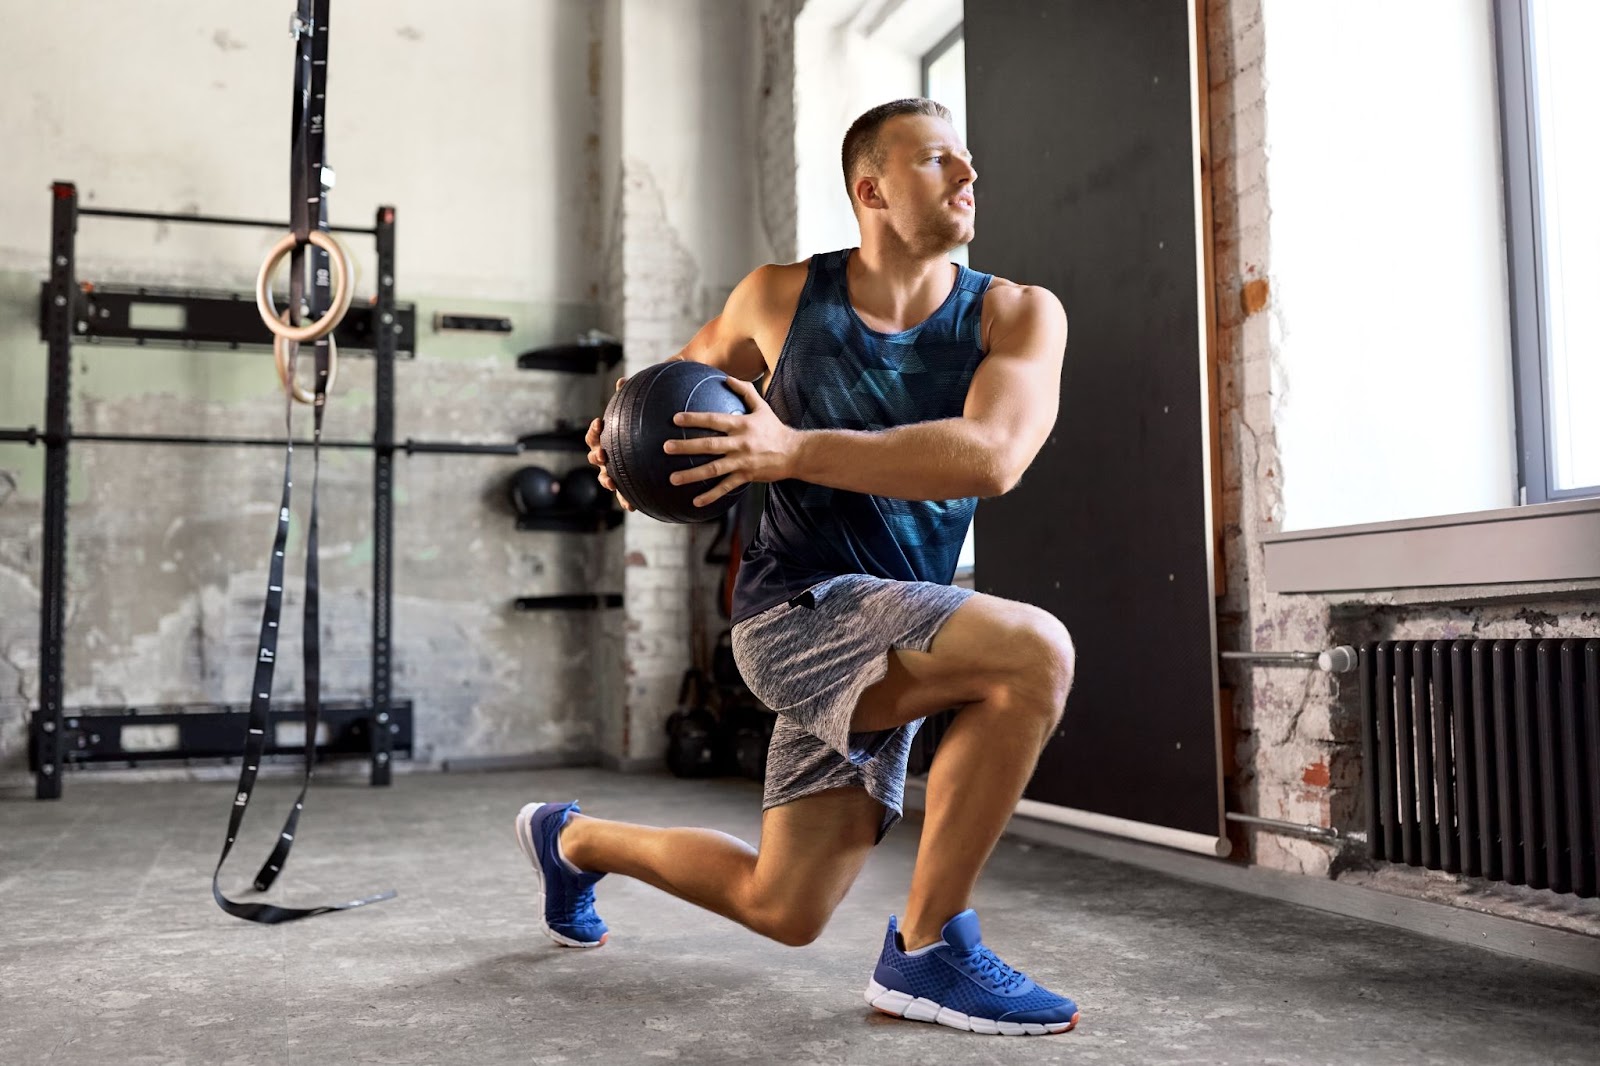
835	373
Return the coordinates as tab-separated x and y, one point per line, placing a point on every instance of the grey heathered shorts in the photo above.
810	660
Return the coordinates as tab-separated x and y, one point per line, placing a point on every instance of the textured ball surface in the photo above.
638	421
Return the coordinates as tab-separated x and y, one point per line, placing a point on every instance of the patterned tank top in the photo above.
836	373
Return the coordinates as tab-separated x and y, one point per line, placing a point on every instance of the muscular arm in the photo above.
1010	409
728	341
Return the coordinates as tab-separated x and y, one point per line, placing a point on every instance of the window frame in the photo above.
936	53
1526	280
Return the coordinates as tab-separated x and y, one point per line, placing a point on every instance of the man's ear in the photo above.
868	194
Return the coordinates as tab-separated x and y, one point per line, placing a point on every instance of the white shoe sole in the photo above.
901	1005
525	842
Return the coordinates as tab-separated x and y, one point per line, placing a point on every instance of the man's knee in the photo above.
1044	661
793	927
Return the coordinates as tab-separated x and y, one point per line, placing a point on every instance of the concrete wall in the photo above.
1295	752
483	129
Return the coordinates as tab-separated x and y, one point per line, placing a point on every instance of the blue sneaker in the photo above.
566	899
960	983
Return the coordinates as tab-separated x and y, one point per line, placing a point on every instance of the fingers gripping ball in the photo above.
638	421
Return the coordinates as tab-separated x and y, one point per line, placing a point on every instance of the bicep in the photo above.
1016	392
728	342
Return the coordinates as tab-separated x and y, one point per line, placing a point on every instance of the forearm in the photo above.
941	460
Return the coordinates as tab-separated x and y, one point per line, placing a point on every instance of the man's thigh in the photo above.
981	645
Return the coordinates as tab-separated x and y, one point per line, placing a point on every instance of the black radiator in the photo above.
1482	757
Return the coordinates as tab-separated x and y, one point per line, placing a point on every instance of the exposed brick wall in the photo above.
653	279
658	290
1281	751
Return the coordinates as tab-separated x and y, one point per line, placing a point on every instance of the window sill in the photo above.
1534	545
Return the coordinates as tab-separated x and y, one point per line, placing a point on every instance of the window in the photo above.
944	77
1549	87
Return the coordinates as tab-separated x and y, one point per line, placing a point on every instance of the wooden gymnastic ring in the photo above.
343	291
283	352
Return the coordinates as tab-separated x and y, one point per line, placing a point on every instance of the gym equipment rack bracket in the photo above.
141	315
102	734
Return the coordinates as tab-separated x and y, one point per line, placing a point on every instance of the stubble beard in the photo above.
941	234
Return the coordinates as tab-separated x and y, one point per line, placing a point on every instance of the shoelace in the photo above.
581	901
995	969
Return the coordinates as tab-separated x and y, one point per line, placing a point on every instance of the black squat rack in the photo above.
59	736
379	727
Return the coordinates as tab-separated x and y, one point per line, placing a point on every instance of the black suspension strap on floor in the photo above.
308	213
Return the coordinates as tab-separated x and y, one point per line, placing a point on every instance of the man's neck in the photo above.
893	289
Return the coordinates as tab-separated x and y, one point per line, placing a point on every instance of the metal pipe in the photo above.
1338	660
1273	656
225	442
216	220
31	435
1318	832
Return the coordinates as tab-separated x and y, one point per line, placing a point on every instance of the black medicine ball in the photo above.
581	491
534	490
638	421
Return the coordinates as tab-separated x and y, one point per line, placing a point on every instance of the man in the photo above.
900	387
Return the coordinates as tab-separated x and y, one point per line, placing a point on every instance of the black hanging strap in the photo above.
308	210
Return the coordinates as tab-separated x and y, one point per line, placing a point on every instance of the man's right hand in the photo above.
597	457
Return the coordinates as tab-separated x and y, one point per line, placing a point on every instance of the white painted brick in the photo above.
1249	45
1248	86
649	534
1258	413
1255	337
649	578
663	602
1250	128
1250	247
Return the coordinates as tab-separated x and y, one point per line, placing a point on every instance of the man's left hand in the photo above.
753	447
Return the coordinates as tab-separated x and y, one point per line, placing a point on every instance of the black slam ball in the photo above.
638	421
534	490
581	492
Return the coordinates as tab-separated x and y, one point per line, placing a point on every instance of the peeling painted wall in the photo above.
483	130
687	225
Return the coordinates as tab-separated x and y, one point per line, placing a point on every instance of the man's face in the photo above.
927	183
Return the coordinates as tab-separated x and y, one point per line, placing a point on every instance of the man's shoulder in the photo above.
771	277
1009	302
775	287
1017	293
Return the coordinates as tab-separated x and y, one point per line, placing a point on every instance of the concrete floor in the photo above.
111	949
